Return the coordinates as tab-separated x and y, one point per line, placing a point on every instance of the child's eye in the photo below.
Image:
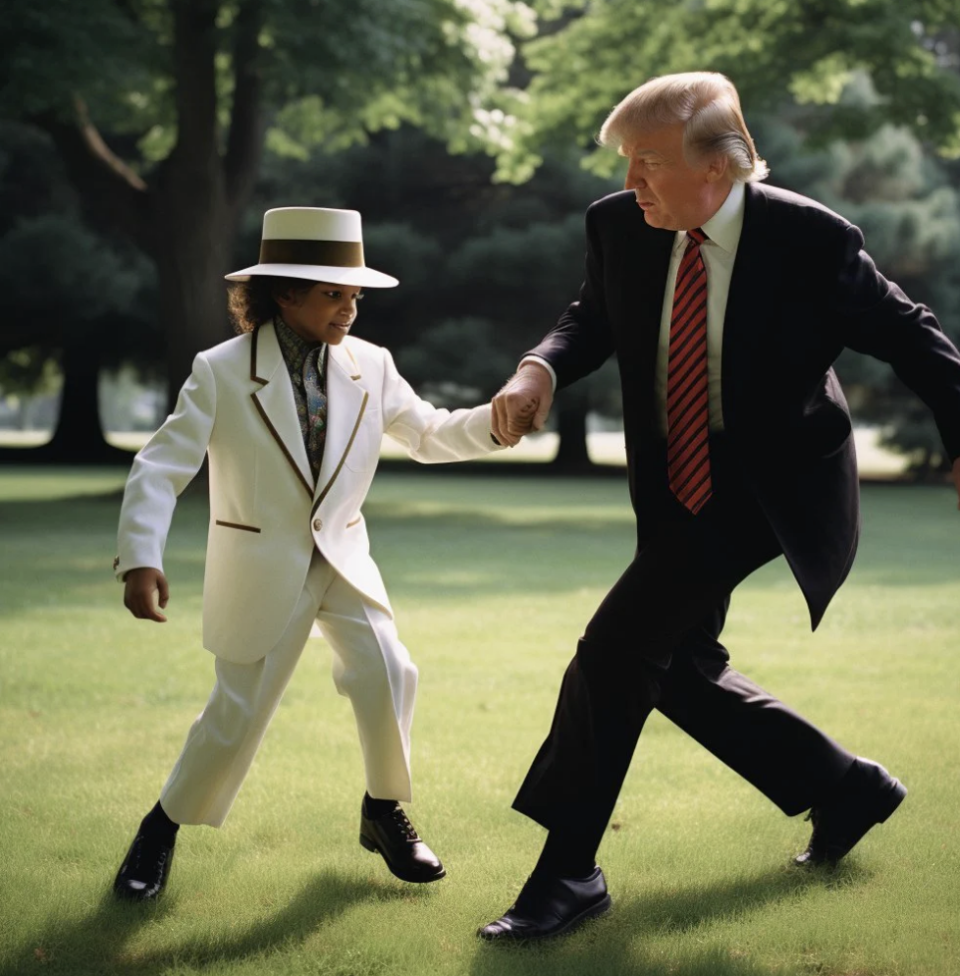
336	295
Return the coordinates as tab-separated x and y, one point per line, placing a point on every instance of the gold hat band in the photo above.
336	254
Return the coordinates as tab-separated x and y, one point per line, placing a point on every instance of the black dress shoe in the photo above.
550	906
395	838
145	869
866	796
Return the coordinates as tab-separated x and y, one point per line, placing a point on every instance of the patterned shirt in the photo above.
307	364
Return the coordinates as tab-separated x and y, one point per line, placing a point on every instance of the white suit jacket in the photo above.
266	513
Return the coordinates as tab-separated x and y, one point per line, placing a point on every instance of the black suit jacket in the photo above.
802	290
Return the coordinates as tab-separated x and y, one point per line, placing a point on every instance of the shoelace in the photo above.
403	822
147	853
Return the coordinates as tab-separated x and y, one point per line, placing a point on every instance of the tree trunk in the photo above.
195	228
572	456
194	210
187	217
77	437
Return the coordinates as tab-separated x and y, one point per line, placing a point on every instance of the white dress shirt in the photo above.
719	252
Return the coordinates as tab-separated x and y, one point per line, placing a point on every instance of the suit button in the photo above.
317	525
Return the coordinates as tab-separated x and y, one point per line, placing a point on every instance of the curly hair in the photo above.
251	303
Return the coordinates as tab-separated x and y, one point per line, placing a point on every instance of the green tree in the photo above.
69	297
484	267
903	200
191	91
837	71
71	300
774	51
529	274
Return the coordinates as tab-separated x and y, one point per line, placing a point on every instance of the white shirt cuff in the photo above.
544	363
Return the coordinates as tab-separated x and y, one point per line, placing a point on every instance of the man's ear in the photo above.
717	167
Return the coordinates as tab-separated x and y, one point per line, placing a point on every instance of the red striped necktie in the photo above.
688	452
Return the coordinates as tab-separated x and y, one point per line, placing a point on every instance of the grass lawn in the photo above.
493	579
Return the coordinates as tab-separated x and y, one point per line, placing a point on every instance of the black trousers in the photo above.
654	643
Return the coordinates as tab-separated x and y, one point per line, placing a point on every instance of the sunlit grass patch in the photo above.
493	579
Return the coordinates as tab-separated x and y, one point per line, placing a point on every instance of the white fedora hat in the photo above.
316	243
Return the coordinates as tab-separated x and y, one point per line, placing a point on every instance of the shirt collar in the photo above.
295	348
724	227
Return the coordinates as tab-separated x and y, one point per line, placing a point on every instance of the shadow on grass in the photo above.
97	944
64	546
59	546
614	945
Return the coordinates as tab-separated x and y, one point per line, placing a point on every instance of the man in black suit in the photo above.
726	303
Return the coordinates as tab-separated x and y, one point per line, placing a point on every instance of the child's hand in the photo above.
144	589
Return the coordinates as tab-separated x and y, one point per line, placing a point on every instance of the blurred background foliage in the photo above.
141	141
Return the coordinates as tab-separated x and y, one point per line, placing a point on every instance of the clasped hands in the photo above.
522	405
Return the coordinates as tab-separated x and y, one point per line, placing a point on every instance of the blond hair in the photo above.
708	106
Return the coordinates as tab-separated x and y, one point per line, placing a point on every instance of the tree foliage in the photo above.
775	51
189	92
908	208
161	110
329	69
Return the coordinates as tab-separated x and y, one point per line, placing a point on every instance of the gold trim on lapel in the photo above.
346	406
343	457
353	360
275	404
254	378
283	447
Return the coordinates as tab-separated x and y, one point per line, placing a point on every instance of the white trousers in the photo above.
370	667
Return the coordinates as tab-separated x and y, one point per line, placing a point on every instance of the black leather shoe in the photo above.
145	869
550	906
866	796
395	838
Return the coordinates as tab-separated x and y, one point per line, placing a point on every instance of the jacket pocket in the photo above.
237	525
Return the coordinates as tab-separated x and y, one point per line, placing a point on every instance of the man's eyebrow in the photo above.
628	151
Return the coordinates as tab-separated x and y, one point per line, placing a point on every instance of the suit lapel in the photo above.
656	261
750	303
346	405
645	255
275	404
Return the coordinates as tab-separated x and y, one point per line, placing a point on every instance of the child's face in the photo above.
324	313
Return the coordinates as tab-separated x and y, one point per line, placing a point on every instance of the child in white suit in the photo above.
290	415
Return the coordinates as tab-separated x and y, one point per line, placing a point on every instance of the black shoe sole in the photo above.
370	846
594	911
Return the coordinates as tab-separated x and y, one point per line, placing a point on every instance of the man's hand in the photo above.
523	404
144	589
956	478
